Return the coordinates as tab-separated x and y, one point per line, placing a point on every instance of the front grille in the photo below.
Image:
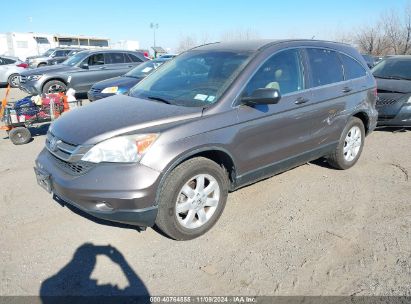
23	79
95	91
386	101
63	150
76	169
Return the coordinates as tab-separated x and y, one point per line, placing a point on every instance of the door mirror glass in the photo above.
84	65
262	96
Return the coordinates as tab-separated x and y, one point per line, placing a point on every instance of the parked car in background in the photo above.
214	119
393	76
122	84
10	69
168	56
51	55
58	60
369	60
80	71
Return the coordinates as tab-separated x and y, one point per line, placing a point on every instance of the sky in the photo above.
130	20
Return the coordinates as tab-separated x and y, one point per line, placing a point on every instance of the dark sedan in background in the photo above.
393	75
122	84
80	71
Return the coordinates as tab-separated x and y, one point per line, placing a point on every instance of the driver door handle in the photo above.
102	68
346	90
301	100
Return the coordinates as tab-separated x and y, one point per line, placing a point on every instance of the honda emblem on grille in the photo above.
53	144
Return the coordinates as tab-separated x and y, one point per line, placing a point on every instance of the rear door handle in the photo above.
130	66
346	90
301	100
102	68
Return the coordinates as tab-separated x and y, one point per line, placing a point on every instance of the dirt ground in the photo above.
309	231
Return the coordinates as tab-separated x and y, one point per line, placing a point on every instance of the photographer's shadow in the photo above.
74	278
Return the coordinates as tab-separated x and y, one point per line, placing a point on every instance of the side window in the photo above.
113	58
283	71
8	61
352	69
325	67
96	59
2	61
134	58
59	53
127	58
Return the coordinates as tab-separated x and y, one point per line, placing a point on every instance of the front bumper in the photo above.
398	115
31	87
123	193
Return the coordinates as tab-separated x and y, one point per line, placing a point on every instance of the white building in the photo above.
23	45
130	45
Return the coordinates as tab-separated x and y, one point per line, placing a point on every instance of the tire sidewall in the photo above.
20	141
9	80
351	123
48	84
172	188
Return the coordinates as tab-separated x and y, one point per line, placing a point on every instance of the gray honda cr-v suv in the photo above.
214	119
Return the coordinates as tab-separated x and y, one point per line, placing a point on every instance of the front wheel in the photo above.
20	135
54	86
192	199
350	146
14	80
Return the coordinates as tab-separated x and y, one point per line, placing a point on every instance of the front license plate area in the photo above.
43	179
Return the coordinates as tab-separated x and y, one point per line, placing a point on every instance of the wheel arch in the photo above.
363	116
217	154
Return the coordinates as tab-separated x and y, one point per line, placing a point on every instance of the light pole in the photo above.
154	26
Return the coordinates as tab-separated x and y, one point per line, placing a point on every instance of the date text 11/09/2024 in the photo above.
203	299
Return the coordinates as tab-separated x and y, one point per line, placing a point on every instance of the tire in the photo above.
14	80
54	86
349	148
20	135
176	225
41	65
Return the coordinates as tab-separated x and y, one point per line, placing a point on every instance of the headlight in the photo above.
109	90
34	77
122	149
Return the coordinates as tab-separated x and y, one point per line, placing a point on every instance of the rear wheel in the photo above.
350	146
54	86
192	199
14	80
20	135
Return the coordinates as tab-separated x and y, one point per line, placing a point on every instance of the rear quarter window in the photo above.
352	69
325	67
134	58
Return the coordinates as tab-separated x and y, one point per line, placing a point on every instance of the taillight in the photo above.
23	65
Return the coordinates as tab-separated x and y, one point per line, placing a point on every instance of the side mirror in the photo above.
84	66
262	96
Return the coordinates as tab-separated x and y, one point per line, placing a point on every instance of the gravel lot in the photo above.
310	231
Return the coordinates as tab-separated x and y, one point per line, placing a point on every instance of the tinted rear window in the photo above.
325	67
393	68
135	58
352	69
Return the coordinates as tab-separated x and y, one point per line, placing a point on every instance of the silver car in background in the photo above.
10	69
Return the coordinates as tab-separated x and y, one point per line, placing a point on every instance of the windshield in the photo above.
75	59
393	69
193	79
48	52
144	69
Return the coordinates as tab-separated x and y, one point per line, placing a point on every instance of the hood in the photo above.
35	57
49	69
121	82
393	85
117	115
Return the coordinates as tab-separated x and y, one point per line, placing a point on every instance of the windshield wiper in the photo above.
158	99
